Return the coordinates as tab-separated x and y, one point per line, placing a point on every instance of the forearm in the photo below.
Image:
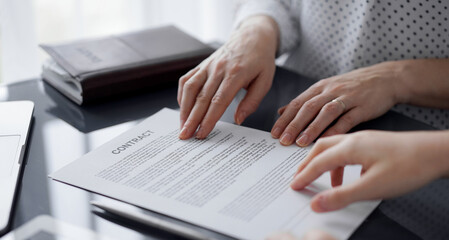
433	149
423	82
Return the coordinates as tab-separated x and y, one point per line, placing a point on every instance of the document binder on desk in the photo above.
90	70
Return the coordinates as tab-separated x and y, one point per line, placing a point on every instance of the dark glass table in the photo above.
63	132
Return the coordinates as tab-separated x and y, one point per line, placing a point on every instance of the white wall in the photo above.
25	23
19	55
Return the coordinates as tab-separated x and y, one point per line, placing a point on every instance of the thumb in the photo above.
339	197
331	200
249	104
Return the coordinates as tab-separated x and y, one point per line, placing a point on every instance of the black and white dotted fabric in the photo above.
424	212
326	38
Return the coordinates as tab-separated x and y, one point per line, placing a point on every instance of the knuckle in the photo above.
332	108
235	69
218	99
190	86
310	107
319	84
295	104
322	83
202	98
336	88
220	63
183	79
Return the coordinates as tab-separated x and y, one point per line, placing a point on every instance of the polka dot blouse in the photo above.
325	38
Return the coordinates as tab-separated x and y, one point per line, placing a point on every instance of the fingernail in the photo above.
183	133
199	134
276	132
302	140
286	139
296	183
241	117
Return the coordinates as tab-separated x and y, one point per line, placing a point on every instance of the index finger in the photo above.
320	146
291	110
330	159
182	81
190	91
221	100
368	187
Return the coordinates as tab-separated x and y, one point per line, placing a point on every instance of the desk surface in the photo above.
62	132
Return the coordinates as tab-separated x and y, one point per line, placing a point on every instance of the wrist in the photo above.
401	75
261	28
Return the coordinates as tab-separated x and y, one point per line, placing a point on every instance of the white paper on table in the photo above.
235	182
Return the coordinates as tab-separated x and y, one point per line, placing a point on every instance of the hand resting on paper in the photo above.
361	95
352	98
392	164
246	60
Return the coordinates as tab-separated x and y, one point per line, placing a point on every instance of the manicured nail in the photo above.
302	140
183	134
276	132
199	134
241	117
286	139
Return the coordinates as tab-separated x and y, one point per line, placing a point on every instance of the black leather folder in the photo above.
89	70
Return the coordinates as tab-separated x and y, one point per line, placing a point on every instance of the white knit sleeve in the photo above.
280	11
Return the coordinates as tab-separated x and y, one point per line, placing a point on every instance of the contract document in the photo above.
236	181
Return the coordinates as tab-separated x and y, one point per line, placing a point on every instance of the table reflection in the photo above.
63	132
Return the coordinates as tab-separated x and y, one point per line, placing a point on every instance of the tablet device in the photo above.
15	121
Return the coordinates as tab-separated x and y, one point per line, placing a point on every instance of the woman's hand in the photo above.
392	164
351	98
245	61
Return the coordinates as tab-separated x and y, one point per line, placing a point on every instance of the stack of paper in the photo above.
235	182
